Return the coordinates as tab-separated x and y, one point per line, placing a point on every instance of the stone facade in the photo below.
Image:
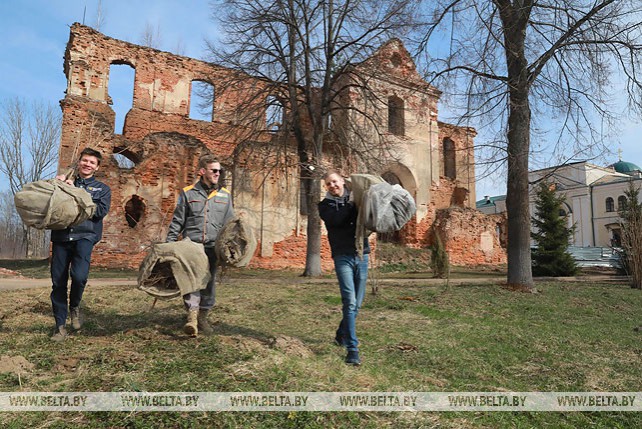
434	162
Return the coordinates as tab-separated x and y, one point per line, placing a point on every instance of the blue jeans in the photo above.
352	273
68	257
204	299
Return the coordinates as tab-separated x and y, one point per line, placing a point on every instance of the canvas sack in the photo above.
235	244
53	204
174	269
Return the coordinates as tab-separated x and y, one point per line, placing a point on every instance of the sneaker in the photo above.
60	333
353	358
75	318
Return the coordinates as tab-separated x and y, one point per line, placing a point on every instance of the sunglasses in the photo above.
215	170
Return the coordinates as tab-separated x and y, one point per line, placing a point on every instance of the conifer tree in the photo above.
551	235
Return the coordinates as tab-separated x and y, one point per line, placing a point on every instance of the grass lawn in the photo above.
277	336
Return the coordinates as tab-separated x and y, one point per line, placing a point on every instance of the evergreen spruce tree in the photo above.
551	235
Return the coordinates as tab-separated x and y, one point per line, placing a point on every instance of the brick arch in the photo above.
405	175
400	173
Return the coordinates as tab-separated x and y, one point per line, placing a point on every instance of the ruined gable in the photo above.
393	62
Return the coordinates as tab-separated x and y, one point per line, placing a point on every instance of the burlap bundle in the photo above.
382	207
174	269
387	207
235	244
53	204
359	185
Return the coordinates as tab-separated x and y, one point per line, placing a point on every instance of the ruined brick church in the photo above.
163	144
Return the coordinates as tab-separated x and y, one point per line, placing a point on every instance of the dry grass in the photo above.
276	335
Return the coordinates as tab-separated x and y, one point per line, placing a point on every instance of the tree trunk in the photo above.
520	274
518	253
313	249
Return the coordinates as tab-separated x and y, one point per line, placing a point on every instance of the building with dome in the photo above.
594	196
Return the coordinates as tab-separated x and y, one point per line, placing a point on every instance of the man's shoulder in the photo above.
328	202
97	185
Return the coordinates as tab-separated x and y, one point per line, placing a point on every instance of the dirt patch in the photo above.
15	364
42	308
68	364
245	344
291	346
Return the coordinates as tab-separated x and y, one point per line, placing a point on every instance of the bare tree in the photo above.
151	36
521	64
302	51
179	47
101	16
11	229
631	226
29	137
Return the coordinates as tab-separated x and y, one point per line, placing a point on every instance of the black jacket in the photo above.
91	229
340	218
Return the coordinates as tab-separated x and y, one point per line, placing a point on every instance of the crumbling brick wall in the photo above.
470	237
164	144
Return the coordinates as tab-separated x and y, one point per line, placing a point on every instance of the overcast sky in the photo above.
34	34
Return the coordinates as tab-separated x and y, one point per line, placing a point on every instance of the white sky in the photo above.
34	34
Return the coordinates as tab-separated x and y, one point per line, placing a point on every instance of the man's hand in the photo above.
64	179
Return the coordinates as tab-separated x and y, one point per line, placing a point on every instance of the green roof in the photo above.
625	167
490	201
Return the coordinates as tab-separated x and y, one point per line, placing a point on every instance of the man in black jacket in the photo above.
340	216
72	247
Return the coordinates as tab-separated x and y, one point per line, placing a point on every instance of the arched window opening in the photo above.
621	202
201	101
121	92
134	210
273	114
125	158
610	205
396	124
450	170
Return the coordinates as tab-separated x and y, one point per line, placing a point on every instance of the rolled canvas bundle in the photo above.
174	269
382	207
53	204
235	244
387	207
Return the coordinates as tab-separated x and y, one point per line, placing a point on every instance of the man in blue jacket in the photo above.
72	247
201	212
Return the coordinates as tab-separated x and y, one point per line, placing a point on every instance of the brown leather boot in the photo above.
203	325
191	327
76	323
60	334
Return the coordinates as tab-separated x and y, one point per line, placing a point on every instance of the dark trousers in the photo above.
67	258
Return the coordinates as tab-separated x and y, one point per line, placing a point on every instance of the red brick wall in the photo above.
165	144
